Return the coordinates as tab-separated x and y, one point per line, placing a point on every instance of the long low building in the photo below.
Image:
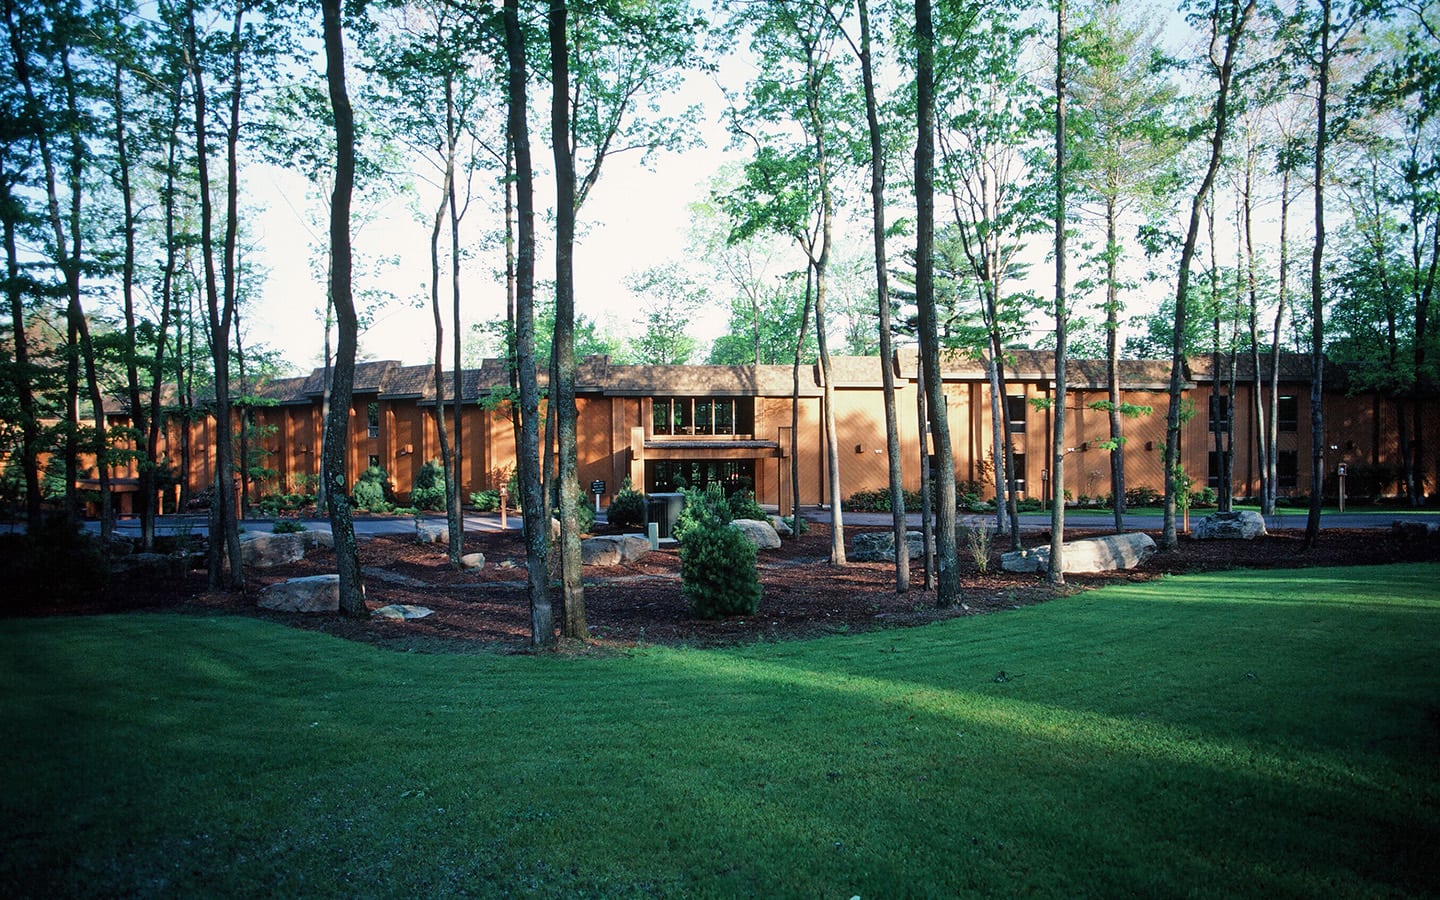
666	427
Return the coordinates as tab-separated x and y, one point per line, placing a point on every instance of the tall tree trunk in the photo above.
447	465
948	590
1225	68
1256	384
927	523
1317	285
795	409
145	468
532	504
562	391
1056	572
454	483
882	293
1112	369
29	421
1282	293
337	426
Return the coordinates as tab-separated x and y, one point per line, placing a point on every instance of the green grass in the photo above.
1260	734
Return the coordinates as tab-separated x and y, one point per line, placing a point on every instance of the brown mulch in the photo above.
804	595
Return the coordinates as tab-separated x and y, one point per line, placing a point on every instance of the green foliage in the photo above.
1143	496
288	526
485	501
429	489
798	525
373	491
743	506
276	504
627	507
718	577
700	506
584	515
977	541
1205	497
879	501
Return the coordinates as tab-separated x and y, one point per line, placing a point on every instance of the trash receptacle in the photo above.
664	509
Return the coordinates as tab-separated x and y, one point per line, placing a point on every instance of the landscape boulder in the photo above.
760	533
1230	526
781	527
430	533
473	560
402	611
266	551
316	539
1101	554
879	546
315	593
613	549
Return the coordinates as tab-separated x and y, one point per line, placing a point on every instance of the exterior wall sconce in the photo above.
859	449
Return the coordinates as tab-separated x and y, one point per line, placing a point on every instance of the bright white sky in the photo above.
636	217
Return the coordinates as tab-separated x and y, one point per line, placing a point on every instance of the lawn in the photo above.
1256	734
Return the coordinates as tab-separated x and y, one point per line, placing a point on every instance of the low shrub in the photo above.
627	507
743	506
1143	496
584	515
486	500
1205	497
373	491
429	489
57	566
288	526
718	577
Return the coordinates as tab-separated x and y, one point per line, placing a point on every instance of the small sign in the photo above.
597	487
1342	470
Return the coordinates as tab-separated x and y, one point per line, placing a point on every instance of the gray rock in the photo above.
317	539
266	551
473	560
613	549
761	534
402	611
429	533
1223	526
879	546
171	565
316	593
781	527
1102	554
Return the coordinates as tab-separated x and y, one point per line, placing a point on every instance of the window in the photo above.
1217	462
701	416
373	413
1019	473
1287	414
666	475
1015	408
1287	469
1219	412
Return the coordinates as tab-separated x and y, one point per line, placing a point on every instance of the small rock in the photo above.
879	546
781	527
426	533
402	611
316	593
266	551
473	560
1243	525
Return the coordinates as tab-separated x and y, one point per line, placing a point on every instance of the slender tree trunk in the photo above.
1317	288
454	483
537	530
1056	572
948	590
882	292
337	426
442	433
927	522
1256	384
1239	17
29	421
1112	369
562	391
795	409
1282	293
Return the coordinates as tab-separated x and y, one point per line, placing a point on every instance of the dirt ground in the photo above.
803	594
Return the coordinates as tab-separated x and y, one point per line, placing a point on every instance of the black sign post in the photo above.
597	487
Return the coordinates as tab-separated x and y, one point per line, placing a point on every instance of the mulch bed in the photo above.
804	595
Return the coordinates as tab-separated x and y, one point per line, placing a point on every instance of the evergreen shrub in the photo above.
429	489
718	577
372	491
743	506
627	507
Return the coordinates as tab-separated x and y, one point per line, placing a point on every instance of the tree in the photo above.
990	118
1055	574
337	424
947	591
1121	164
674	299
794	107
1226	24
537	529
